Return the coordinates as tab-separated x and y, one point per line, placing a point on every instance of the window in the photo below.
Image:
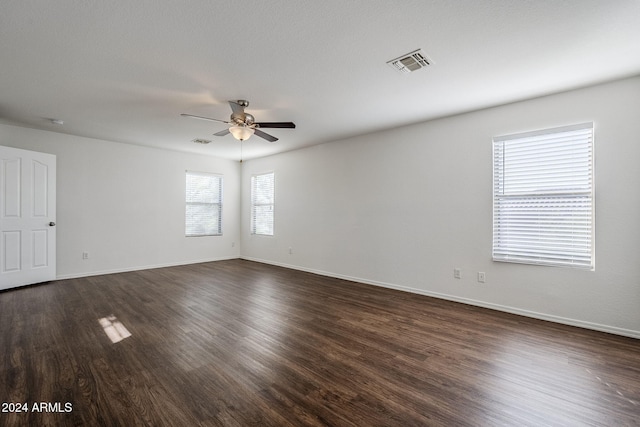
543	198
203	204
262	204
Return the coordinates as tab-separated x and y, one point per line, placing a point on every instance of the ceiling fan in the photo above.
243	125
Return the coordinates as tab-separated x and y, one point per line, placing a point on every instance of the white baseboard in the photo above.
513	310
143	267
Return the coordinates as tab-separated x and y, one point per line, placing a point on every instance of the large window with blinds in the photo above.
543	197
262	203
203	214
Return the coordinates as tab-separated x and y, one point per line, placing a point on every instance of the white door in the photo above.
27	217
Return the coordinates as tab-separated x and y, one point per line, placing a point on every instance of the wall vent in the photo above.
410	62
201	141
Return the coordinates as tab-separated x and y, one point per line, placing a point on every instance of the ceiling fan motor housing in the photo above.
249	119
239	116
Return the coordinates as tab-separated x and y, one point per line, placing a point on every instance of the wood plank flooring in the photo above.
237	343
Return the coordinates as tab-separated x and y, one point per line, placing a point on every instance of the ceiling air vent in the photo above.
410	62
201	141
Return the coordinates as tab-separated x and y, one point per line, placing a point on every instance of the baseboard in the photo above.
507	309
137	268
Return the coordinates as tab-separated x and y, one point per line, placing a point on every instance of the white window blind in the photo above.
543	198
262	203
203	204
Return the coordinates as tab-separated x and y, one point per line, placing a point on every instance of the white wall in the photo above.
402	208
124	204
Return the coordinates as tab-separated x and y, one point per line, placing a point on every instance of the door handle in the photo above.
51	224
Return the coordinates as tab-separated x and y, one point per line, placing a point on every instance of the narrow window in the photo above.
203	204
262	203
543	198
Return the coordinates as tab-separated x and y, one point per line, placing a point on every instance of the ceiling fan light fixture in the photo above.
240	132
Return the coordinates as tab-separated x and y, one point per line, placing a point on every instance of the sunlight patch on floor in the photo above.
114	329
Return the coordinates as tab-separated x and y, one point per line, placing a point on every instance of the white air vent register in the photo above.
410	62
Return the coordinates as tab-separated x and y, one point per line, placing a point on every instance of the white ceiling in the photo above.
124	71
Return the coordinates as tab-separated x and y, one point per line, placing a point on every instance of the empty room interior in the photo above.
363	213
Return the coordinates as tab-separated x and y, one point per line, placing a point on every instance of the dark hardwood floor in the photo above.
237	343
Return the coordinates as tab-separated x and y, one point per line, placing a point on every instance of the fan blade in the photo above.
236	108
265	135
203	118
222	133
281	125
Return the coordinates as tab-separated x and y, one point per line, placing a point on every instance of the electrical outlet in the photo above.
85	255
457	273
290	251
481	276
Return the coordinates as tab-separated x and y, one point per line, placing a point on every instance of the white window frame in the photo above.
211	207
544	197
262	207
